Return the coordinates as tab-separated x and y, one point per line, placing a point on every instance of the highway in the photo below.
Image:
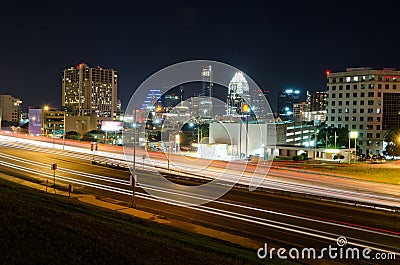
261	216
278	178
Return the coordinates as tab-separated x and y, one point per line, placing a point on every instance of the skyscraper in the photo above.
10	109
317	101
238	93
86	90
207	79
286	99
205	101
366	100
152	99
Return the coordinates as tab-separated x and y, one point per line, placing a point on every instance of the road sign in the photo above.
53	166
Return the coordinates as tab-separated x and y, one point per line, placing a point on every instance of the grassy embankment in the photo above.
388	172
42	228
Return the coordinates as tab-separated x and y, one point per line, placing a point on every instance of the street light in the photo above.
133	178
353	135
64	131
246	110
178	140
46	109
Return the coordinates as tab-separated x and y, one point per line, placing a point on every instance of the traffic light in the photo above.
245	108
159	108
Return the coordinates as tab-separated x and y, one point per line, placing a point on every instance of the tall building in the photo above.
172	98
238	93
152	99
300	110
207	81
258	98
10	108
86	90
316	105
365	100
317	101
286	99
205	101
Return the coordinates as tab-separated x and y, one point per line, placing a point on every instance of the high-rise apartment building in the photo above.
86	90
10	109
365	100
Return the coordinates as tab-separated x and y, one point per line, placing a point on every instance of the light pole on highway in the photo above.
64	131
133	178
246	110
353	135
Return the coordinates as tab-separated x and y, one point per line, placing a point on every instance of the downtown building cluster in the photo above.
364	100
89	98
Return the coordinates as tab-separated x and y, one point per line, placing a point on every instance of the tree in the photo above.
73	135
87	137
392	149
393	139
326	137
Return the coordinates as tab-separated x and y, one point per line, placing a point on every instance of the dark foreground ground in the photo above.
43	228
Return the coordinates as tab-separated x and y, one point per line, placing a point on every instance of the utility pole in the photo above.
240	139
64	131
326	139
247	133
54	131
335	138
54	167
133	178
349	149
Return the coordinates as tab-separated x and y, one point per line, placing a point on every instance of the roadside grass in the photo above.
384	173
42	228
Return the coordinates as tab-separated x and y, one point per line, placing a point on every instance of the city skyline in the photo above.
281	41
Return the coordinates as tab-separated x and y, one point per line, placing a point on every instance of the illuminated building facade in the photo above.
172	98
205	102
154	95
366	100
238	93
10	108
286	99
88	90
317	101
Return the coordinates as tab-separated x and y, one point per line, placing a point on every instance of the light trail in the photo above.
271	182
206	209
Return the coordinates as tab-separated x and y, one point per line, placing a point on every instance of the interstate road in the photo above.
260	216
278	178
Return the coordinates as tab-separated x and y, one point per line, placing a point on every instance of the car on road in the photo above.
377	159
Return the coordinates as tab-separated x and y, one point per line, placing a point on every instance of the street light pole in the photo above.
64	131
335	138
355	149
349	149
133	178
240	139
247	133
54	133
353	134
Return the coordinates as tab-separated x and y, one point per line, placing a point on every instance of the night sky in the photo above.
280	44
